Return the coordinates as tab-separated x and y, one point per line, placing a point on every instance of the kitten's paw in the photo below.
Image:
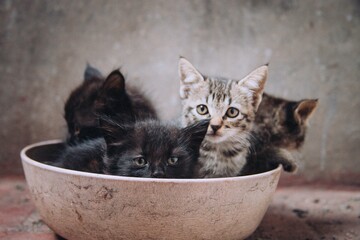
287	160
290	167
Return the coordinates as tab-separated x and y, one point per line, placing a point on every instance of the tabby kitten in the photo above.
280	126
282	123
231	106
144	149
96	96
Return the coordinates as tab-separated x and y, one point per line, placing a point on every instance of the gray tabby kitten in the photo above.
231	106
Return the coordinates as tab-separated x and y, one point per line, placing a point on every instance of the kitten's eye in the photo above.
202	109
140	161
232	112
173	161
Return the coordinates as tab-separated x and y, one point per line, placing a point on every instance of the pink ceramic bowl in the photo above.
80	205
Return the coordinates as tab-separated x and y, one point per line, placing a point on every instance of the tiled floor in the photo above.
311	213
297	213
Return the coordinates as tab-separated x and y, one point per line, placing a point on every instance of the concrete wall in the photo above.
313	48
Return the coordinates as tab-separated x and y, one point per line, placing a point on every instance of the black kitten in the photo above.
144	149
96	96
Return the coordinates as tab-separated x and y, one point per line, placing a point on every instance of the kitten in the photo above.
144	149
231	106
280	126
282	123
96	96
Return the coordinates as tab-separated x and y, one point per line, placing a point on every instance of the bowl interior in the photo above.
45	153
48	151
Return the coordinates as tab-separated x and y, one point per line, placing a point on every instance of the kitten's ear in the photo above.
114	84
304	110
194	134
91	72
112	131
189	77
255	82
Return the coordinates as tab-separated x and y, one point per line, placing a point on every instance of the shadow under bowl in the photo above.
80	205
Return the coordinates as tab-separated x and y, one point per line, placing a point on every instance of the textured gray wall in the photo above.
313	48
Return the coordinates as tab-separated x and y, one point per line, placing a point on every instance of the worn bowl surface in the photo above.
80	205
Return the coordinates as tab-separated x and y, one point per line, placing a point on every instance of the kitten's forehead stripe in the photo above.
210	86
231	82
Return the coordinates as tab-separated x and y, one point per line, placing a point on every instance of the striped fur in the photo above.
224	150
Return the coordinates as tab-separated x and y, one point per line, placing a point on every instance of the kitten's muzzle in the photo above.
158	173
215	124
215	128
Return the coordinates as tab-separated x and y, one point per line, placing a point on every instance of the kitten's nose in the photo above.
158	173
216	123
215	127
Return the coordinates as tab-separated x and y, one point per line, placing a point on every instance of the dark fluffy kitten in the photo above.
98	95
144	149
280	126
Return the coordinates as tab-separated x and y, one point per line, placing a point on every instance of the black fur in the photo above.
123	143
97	96
265	156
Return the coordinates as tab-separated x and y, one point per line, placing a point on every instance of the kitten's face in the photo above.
79	107
96	95
284	122
151	149
229	104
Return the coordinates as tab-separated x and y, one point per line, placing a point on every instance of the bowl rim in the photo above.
30	161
